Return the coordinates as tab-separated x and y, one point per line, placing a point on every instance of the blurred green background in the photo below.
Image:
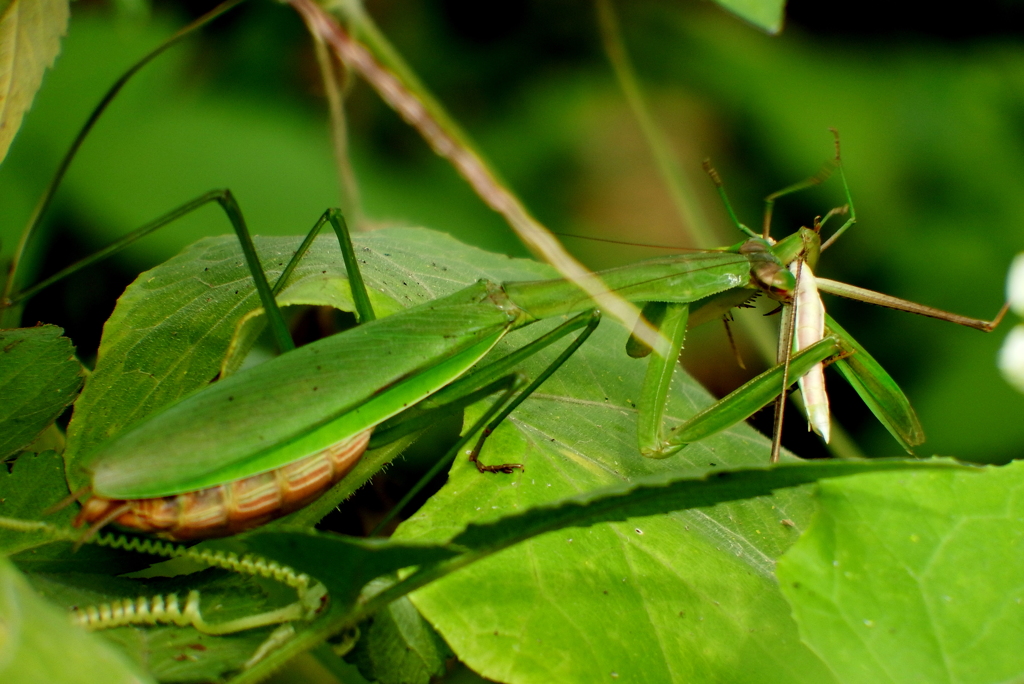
931	116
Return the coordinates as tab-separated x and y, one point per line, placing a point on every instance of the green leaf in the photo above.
667	492
38	644
346	565
400	647
764	14
30	32
913	577
404	650
171	653
32	483
39	378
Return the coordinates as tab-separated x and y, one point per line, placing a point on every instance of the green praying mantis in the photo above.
227	458
268	440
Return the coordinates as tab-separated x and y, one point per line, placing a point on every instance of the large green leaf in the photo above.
689	594
39	378
914	577
345	565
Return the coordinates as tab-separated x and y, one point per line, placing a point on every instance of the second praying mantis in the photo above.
269	439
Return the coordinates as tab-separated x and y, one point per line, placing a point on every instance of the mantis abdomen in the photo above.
235	506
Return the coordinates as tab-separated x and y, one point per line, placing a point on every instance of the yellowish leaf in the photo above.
30	33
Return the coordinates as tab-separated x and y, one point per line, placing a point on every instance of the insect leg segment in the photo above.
481	383
227	202
849	198
751	397
499	378
8	298
591	320
871	297
784	356
657	380
720	187
876	388
769	201
360	297
508	386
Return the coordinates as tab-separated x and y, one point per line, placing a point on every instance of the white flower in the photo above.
1015	285
1011	356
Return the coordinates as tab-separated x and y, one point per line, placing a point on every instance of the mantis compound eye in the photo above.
774	279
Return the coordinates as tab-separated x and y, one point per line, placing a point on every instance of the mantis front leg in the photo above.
737	406
657	380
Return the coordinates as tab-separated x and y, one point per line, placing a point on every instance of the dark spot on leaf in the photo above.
714	464
231	398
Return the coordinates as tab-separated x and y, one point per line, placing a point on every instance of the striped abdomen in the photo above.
235	506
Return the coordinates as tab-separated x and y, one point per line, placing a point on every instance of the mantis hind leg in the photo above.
226	200
360	297
494	378
657	380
